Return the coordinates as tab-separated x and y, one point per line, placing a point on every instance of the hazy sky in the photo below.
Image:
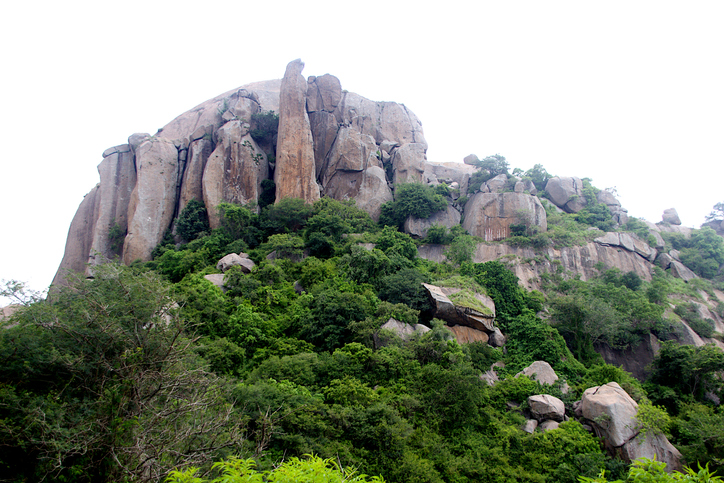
628	93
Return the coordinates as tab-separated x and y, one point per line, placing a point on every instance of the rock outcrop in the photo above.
403	330
418	227
331	142
566	193
489	215
540	371
295	176
671	217
546	407
481	317
528	264
612	413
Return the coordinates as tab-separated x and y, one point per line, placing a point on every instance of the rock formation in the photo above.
566	193
489	215
331	142
612	413
295	175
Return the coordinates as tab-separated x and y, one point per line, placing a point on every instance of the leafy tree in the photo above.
538	175
265	127
285	216
411	199
88	380
239	223
192	221
687	369
717	213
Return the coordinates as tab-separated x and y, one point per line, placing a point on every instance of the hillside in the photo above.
281	272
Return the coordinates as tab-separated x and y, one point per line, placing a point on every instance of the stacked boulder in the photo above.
240	260
469	322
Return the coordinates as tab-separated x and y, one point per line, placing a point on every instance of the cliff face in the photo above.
330	143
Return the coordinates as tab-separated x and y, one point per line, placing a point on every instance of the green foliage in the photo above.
285	216
239	223
268	193
704	252
645	470
690	313
538	175
609	309
116	237
312	469
87	380
461	249
698	432
411	199
717	212
687	369
651	420
405	287
192	221
265	127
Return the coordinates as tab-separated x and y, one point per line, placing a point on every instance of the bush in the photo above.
192	221
411	199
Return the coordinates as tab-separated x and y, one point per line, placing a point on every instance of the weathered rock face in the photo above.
295	176
118	178
153	201
455	314
540	371
418	227
629	242
403	330
612	413
528	265
329	139
566	193
449	173
632	359
618	213
489	215
234	171
671	217
546	407
466	335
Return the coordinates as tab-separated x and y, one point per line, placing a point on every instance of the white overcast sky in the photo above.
628	93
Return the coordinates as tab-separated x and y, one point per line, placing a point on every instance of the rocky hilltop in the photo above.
332	143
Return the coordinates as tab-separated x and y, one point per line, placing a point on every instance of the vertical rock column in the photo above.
295	174
153	200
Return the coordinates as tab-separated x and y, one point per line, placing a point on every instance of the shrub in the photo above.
192	221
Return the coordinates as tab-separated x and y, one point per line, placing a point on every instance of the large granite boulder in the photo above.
540	371
241	260
418	227
630	242
403	330
489	215
473	310
566	193
466	335
544	407
671	217
612	414
295	174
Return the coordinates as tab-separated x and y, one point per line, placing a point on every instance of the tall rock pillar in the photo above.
295	174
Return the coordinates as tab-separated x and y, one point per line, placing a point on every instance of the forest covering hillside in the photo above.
152	367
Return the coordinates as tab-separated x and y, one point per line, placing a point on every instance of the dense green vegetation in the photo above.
150	368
